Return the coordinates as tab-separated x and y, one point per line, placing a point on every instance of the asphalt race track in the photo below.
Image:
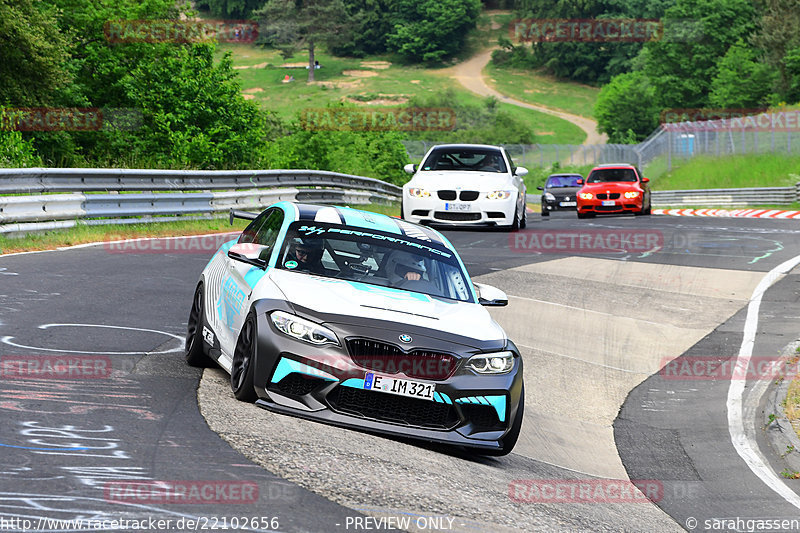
600	308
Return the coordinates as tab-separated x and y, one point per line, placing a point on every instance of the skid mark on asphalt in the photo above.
9	340
614	324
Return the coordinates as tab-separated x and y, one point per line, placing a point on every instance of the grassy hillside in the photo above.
372	81
757	170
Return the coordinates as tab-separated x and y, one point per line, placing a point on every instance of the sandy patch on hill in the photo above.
359	73
253	90
380	65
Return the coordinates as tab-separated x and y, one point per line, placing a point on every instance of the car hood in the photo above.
449	180
563	191
350	298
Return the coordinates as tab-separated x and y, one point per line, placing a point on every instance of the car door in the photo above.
240	278
519	183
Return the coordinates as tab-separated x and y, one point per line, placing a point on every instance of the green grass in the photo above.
706	172
341	79
533	87
491	25
83	234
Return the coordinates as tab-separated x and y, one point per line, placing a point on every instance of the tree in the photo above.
238	9
779	37
626	104
431	30
741	81
682	67
34	52
303	24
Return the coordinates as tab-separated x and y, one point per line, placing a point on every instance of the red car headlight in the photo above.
632	194
586	196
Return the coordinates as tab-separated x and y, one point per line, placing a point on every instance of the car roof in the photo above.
365	220
615	165
565	174
484	146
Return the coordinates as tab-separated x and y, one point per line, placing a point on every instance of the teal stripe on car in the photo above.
373	221
290	366
498	402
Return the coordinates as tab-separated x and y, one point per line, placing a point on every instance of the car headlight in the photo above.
492	363
632	194
416	192
498	195
586	196
302	329
549	197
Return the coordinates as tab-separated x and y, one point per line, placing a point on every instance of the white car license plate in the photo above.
456	207
401	387
568	204
609	202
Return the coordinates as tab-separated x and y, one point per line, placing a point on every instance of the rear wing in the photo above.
246	215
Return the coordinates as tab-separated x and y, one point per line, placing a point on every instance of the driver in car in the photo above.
403	266
308	255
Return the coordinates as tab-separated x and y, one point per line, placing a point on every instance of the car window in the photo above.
555	182
510	162
603	175
264	229
374	258
461	159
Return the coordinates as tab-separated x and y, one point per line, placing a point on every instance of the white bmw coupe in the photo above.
466	184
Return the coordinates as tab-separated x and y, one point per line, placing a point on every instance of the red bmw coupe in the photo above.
614	188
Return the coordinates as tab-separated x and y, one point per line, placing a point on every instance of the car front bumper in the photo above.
324	383
478	212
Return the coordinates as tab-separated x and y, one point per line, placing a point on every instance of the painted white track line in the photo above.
742	439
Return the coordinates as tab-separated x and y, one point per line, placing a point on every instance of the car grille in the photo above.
456	217
296	384
447	195
468	196
392	408
389	359
604	196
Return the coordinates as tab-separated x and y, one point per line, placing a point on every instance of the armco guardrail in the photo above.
742	197
119	193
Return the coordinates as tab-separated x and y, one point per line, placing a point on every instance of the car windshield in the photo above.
470	159
555	182
603	175
375	258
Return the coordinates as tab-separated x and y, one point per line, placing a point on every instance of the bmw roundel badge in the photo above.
405	338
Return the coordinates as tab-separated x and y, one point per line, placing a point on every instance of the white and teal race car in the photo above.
359	320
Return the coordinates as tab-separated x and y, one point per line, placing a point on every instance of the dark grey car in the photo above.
560	192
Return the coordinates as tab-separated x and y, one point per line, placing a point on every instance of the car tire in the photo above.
243	365
195	355
402	211
545	212
515	224
523	223
510	440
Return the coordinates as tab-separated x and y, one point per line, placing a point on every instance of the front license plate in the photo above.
456	207
568	204
401	387
609	202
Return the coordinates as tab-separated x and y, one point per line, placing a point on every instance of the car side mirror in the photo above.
540	188
410	168
490	296
645	180
579	182
250	253
521	171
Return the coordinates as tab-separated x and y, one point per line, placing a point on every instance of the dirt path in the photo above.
470	75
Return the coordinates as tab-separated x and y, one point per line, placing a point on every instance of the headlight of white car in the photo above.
498	195
302	329
549	197
492	363
416	192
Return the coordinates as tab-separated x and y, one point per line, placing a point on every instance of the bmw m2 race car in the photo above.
359	320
